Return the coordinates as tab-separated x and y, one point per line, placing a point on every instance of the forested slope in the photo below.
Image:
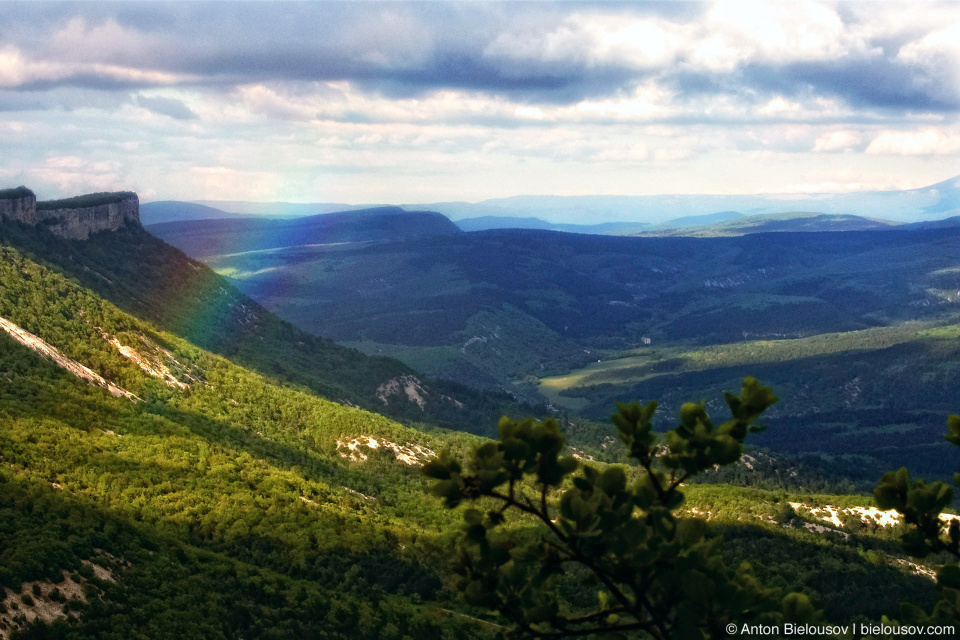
151	280
208	469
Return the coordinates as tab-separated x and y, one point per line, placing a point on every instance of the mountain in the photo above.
237	235
280	209
485	223
706	219
213	502
933	202
723	223
176	211
152	485
769	223
953	221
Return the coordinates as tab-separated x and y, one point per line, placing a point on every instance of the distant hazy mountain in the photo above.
953	221
281	209
723	223
175	210
485	223
237	235
698	221
766	223
934	202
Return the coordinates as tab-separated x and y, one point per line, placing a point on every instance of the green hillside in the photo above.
149	279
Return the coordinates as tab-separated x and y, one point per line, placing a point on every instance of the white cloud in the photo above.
938	55
730	33
779	31
837	141
925	142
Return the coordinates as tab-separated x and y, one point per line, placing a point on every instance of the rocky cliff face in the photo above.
18	204
76	218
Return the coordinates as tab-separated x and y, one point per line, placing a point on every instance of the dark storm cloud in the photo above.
402	50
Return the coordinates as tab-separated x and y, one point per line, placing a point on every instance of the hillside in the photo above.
857	402
191	466
151	280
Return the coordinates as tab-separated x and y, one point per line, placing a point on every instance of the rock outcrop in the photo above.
18	204
73	218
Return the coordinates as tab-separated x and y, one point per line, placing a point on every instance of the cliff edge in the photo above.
71	218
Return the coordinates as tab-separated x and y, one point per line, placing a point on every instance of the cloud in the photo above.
176	109
542	54
837	141
61	98
524	96
925	142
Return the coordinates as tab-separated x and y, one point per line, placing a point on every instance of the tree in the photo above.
650	573
921	506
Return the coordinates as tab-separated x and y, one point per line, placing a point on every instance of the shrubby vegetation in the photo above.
17	192
607	550
922	506
87	200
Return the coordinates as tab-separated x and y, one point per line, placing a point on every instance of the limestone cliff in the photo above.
72	218
18	204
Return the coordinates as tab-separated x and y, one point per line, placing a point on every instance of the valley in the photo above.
856	329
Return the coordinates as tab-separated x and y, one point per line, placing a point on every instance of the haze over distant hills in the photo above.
610	214
773	222
282	209
485	223
927	203
176	210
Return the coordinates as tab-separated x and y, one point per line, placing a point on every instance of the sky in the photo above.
369	102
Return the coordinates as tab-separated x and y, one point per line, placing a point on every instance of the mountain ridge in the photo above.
237	235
